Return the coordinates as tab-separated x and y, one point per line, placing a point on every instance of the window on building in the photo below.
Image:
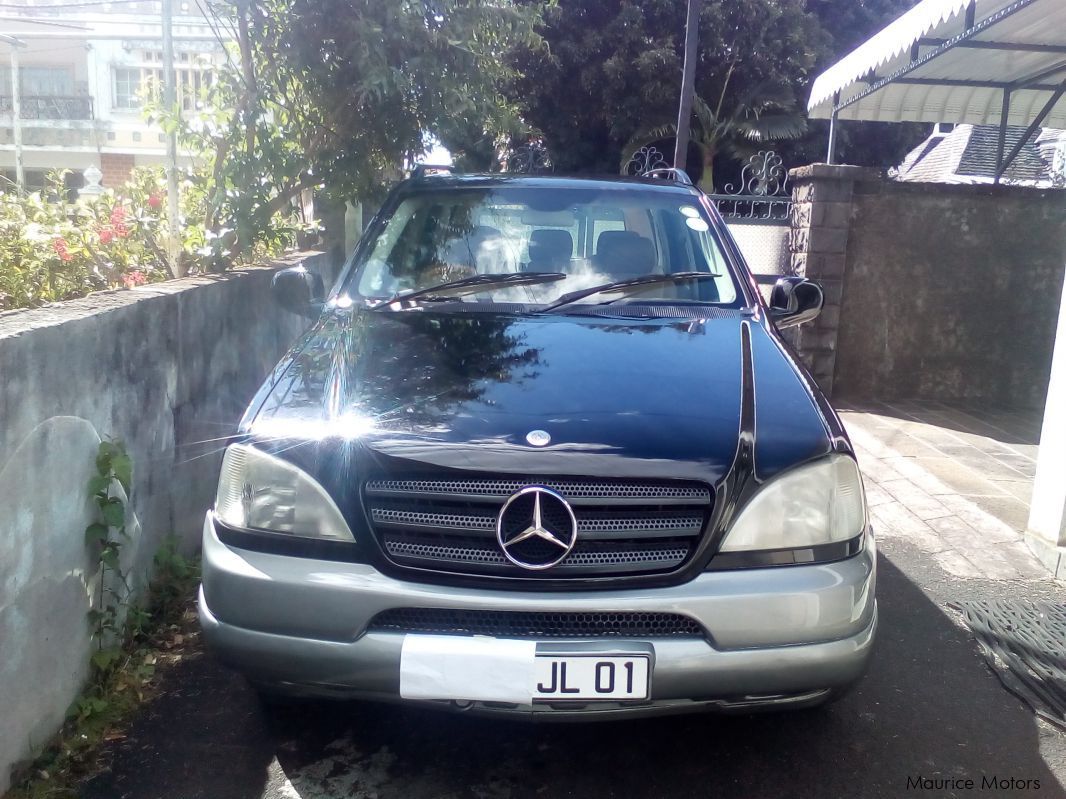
191	73
127	88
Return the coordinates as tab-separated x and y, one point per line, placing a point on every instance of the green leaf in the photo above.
114	512
104	659
99	484
103	457
109	557
122	466
96	533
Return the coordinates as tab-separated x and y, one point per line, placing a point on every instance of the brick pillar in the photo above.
116	168
821	214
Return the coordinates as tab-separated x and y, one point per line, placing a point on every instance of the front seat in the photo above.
550	250
622	254
481	250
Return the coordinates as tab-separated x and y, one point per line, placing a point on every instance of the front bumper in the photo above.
776	636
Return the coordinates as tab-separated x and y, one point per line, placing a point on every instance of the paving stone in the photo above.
906	444
1009	510
980	461
912	470
961	536
955	564
1022	559
917	501
1019	489
894	521
876	496
953	478
877	470
995	566
992	528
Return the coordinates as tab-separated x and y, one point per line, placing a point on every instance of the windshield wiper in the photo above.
624	287
473	285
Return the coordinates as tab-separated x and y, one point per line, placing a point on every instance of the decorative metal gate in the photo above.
758	211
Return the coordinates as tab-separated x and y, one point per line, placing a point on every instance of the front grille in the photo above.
624	527
521	624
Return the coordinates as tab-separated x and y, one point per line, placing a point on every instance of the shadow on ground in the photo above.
928	708
1007	425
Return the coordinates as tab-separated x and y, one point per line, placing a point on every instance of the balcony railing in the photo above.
50	106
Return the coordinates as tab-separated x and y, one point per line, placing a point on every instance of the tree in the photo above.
756	117
339	94
612	68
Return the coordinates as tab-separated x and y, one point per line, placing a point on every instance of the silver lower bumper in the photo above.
779	636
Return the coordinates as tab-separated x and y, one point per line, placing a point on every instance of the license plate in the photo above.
592	676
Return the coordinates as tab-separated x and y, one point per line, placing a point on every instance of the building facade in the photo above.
85	73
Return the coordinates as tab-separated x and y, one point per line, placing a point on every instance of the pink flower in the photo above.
106	235
60	246
154	201
134	278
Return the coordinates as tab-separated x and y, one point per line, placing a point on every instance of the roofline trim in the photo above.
978	27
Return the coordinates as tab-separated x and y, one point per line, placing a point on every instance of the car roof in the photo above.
489	180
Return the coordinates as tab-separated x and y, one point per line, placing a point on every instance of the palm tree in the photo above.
760	114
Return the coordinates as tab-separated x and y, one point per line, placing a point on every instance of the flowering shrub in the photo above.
54	250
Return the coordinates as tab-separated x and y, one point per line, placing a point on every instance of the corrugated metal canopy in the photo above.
953	61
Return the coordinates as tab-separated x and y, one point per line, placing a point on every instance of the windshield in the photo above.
591	236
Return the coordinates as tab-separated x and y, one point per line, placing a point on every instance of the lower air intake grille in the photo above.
517	624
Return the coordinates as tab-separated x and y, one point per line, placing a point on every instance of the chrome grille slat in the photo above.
659	556
577	492
589	527
624	526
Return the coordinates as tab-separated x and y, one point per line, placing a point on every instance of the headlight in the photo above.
259	491
819	503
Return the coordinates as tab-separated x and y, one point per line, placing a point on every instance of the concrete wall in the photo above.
933	291
167	368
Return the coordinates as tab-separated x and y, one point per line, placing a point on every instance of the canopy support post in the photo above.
1001	142
1029	131
831	151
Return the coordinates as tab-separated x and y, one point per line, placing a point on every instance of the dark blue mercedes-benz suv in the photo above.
543	451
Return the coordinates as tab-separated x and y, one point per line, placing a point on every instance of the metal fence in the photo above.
49	107
758	212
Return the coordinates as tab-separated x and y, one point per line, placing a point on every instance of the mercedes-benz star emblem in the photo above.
536	528
538	438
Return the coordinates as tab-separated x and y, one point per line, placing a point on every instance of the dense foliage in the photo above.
53	250
611	69
339	94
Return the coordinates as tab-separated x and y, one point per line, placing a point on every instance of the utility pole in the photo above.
171	105
16	109
688	83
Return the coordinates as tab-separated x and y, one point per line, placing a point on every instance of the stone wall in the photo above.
932	290
168	368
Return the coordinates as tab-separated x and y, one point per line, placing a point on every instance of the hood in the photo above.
619	397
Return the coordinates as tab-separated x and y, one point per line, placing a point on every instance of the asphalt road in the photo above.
928	708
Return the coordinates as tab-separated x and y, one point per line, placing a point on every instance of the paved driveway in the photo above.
928	709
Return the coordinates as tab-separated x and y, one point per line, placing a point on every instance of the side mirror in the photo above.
297	290
795	300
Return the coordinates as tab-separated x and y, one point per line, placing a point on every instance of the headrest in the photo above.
623	253
550	245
